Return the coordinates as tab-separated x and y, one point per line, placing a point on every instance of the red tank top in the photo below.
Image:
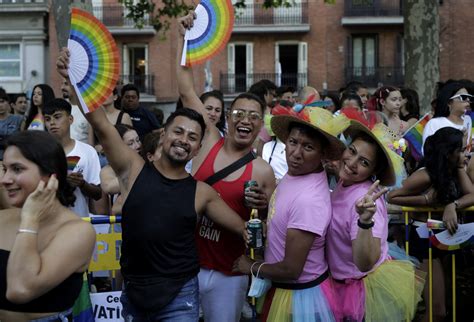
218	248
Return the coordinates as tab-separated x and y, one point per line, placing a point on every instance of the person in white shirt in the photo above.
450	111
83	162
80	126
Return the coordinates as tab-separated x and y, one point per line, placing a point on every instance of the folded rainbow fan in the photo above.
464	236
72	162
94	62
210	33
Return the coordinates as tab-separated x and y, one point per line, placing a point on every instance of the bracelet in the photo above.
28	231
426	199
456	204
365	226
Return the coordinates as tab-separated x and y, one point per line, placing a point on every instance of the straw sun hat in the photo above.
317	118
385	139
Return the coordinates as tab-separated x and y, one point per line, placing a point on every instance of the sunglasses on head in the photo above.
462	97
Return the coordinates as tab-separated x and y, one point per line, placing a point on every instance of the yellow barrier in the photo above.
406	211
107	249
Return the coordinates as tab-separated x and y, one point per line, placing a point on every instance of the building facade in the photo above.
310	43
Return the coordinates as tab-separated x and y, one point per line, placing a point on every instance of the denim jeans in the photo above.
183	308
58	317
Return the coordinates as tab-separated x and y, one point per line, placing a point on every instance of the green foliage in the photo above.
160	18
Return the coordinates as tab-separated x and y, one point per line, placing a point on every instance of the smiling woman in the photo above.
34	281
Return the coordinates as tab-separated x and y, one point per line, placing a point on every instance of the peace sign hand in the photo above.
366	206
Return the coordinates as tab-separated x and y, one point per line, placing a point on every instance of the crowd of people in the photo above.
325	166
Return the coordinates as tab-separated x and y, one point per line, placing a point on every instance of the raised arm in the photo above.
120	157
185	77
411	192
366	247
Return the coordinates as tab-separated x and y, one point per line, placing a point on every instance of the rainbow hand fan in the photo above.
210	33
72	162
464	236
94	61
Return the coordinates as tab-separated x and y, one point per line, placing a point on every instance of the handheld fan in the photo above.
464	236
210	33
94	61
72	161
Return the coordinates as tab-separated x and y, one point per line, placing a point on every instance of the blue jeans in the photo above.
183	308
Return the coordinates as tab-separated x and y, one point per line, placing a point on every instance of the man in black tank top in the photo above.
159	258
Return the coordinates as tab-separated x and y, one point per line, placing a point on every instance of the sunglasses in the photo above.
462	97
239	115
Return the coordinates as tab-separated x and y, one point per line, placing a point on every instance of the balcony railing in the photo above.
256	14
145	83
374	76
373	8
238	83
21	1
115	16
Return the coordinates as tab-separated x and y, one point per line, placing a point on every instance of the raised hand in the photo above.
62	63
41	200
366	206
186	22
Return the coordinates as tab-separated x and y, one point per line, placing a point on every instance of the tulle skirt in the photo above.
390	293
308	305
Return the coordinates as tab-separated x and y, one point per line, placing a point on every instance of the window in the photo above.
364	55
10	61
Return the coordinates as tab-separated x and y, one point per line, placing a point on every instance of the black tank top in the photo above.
159	252
60	298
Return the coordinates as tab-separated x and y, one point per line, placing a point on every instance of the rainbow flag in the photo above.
72	161
82	309
414	136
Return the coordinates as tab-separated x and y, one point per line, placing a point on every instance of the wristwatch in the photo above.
364	225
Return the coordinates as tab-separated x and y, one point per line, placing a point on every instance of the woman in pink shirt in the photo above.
365	283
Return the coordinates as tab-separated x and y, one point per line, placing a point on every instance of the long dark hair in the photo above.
47	95
42	149
437	149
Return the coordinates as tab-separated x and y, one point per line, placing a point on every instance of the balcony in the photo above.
255	18
114	17
24	6
238	83
373	12
375	76
145	83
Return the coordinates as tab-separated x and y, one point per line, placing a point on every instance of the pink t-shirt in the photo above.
300	202
343	230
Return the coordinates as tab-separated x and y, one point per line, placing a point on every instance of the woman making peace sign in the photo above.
365	283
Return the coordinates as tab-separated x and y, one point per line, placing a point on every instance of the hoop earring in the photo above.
373	178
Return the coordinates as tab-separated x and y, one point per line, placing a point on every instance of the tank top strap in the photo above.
208	162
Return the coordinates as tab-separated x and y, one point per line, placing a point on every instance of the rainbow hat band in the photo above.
210	33
94	61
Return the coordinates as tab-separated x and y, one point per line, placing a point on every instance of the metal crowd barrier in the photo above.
429	210
106	255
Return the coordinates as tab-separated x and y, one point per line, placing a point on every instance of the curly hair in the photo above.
44	150
437	149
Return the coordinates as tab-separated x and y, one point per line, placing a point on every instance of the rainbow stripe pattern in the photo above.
463	237
94	62
414	137
72	162
211	31
37	123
